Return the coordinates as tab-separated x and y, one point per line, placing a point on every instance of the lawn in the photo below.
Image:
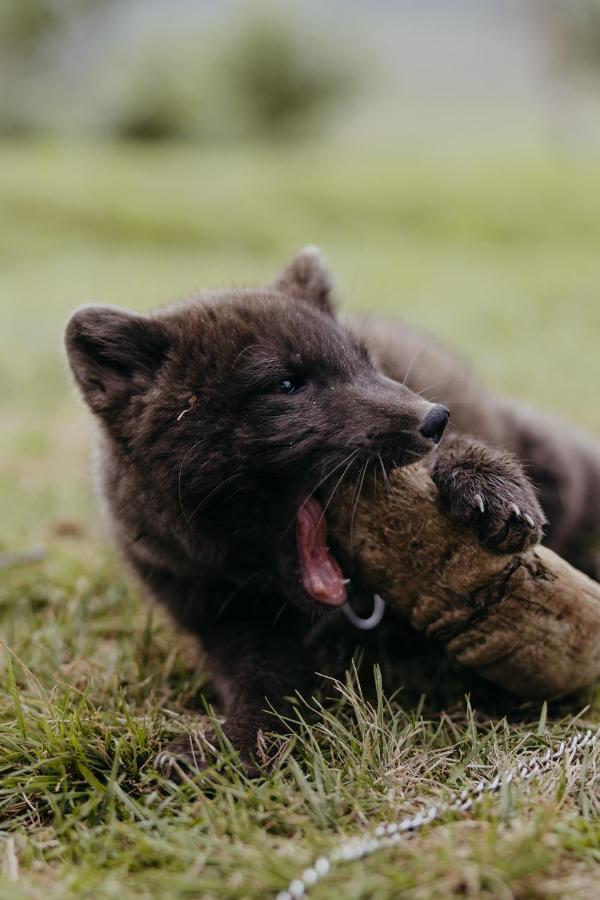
499	255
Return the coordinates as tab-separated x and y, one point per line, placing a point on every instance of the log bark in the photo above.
529	621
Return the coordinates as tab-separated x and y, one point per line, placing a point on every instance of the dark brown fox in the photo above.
226	421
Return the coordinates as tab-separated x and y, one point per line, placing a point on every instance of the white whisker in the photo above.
352	458
183	461
210	494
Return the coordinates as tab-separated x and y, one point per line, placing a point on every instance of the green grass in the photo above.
499	256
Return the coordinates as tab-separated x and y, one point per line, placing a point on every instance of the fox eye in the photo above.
290	385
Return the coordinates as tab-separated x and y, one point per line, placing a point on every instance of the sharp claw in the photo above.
529	520
164	761
478	501
516	510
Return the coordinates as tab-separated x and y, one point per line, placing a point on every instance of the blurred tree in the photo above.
282	75
157	88
267	75
575	28
24	23
26	29
570	32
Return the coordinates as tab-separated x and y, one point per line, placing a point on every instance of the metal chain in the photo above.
387	834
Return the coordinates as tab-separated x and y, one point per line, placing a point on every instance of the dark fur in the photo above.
203	505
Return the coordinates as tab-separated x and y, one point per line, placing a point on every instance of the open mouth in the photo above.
320	573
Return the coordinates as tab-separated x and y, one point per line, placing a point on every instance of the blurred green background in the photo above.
444	156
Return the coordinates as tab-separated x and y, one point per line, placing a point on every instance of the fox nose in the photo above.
434	423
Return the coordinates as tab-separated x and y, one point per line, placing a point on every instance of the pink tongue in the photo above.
321	575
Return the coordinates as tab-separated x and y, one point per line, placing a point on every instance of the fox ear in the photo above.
113	355
307	278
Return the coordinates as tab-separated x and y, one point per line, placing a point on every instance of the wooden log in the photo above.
529	622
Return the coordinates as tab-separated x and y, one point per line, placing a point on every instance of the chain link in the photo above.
387	834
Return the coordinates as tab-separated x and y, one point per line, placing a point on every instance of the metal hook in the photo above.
373	620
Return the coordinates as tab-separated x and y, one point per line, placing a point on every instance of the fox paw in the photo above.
189	755
185	757
488	491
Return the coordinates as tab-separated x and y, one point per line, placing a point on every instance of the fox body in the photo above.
227	420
